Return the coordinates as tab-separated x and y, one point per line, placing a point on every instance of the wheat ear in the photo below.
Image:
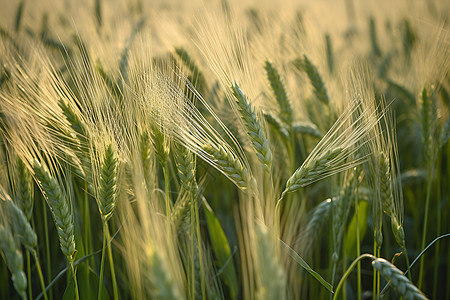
429	117
280	93
254	128
309	128
302	176
198	79
60	208
108	185
20	224
14	261
75	122
277	124
24	190
319	216
314	76
400	282
229	164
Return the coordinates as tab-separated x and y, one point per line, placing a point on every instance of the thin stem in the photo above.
39	270
87	222
424	234
167	197
102	265
418	257
77	296
200	250
111	265
30	290
405	253
374	281
447	290
358	250
47	245
438	227
192	250
349	270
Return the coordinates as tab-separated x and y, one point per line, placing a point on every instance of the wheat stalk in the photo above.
270	272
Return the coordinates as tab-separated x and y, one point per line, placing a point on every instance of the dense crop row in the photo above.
224	150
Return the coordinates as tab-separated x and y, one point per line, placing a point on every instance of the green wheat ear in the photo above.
231	165
198	79
400	282
108	185
254	128
314	76
280	93
60	208
14	261
24	190
308	128
20	224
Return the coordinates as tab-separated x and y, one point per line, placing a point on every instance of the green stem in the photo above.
30	290
47	246
39	270
87	222
192	250
405	253
358	250
447	290
424	233
348	272
102	265
111	265
438	227
200	250
77	296
167	197
374	281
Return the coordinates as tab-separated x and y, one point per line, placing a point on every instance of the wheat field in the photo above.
224	149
